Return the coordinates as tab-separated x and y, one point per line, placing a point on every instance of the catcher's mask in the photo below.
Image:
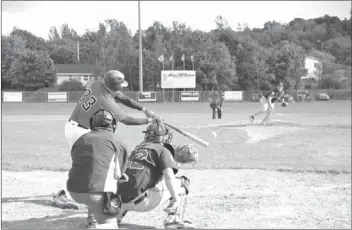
103	119
157	132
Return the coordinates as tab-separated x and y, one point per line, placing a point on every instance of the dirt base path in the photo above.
218	199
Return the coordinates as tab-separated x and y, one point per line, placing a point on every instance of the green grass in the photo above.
33	136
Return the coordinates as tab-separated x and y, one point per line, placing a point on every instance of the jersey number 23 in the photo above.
87	104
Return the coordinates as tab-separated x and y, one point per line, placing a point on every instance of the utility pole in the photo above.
140	50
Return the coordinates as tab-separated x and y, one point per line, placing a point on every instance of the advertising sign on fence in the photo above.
177	79
12	96
233	95
190	96
146	96
57	96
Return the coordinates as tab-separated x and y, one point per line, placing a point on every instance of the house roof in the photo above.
74	68
314	58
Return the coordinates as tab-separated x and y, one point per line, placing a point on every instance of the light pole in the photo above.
140	50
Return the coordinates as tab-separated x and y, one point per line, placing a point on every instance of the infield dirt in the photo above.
293	173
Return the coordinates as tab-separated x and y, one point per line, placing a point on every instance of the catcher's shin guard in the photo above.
175	217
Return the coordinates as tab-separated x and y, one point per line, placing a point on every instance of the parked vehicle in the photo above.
303	96
322	97
289	98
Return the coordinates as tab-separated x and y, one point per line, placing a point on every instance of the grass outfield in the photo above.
303	137
295	172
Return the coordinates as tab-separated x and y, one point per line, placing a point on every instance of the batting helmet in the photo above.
157	132
103	119
114	80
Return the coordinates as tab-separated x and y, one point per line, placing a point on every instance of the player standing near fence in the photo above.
216	101
267	102
101	95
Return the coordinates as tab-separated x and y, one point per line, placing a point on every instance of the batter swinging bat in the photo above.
190	136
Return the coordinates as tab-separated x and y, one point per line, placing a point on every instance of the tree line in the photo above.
224	59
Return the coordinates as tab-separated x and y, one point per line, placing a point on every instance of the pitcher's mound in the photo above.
259	133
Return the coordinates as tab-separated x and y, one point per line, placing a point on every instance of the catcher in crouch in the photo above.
150	169
268	102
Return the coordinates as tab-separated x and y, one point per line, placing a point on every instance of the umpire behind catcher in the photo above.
98	159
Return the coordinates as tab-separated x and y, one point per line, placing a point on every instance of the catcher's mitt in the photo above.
186	154
283	104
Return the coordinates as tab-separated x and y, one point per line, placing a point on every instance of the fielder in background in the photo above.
151	168
267	102
101	95
216	100
98	159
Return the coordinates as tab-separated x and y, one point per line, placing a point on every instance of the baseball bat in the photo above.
190	136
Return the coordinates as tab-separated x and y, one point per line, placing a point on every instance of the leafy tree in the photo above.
287	63
71	85
54	34
32	42
24	68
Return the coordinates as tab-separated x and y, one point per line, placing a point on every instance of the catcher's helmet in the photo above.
157	132
103	119
114	80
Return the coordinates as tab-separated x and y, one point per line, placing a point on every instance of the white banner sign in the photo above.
174	79
190	96
57	96
12	96
233	95
146	96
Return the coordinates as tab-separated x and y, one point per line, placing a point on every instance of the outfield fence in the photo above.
160	96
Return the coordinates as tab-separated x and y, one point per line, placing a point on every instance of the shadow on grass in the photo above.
44	200
67	220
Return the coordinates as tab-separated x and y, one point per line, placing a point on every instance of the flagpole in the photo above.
193	62
78	51
184	62
184	66
163	62
172	67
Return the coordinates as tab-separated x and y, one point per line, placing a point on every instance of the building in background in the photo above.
314	68
80	72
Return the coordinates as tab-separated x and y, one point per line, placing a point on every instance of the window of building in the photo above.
86	78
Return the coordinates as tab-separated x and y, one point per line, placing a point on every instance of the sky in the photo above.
38	16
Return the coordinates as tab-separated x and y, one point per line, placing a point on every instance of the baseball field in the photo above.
293	173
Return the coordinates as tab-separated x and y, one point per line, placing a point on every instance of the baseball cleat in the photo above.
180	225
264	123
92	223
60	200
119	218
251	118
